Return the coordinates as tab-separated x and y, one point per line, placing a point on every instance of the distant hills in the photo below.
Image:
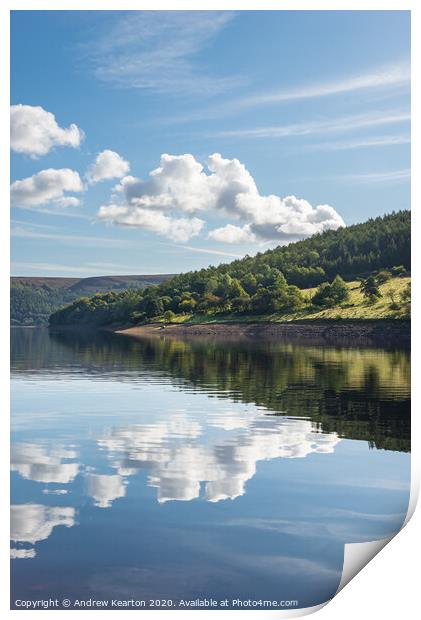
34	298
94	283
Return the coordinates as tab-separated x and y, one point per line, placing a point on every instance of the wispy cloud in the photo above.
392	176
73	270
32	225
59	212
207	251
340	124
78	240
359	143
392	79
389	76
156	50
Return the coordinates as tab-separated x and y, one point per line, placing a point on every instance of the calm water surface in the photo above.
168	469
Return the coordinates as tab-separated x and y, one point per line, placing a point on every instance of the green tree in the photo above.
294	300
187	305
398	270
330	295
236	290
240	304
169	316
383	276
152	306
339	290
370	289
249	283
406	294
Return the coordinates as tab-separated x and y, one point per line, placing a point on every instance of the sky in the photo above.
163	141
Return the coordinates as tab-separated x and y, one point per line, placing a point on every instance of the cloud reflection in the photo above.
35	462
105	489
30	523
187	460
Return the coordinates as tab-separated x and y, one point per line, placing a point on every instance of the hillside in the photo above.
34	298
355	308
274	283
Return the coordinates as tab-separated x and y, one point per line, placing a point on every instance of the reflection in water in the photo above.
358	393
105	489
35	462
30	523
181	456
238	467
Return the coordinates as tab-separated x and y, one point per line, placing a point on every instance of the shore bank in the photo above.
338	333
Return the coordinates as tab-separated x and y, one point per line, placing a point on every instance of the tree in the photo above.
295	299
264	301
187	305
370	289
322	296
211	285
236	290
224	286
249	283
330	295
240	304
383	276
137	317
339	289
398	270
275	279
393	303
169	316
152	306
406	294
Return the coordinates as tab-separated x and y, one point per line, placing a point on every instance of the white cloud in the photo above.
107	165
67	201
178	229
34	131
179	182
45	187
232	234
227	189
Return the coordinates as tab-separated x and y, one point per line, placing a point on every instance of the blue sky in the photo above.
260	127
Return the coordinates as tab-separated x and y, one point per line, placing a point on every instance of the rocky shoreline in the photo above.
395	334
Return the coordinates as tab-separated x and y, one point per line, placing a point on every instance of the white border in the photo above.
388	585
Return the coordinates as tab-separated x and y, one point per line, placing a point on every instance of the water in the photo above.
164	469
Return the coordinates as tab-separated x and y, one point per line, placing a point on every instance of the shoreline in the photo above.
388	333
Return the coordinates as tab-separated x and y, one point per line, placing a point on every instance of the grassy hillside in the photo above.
276	283
356	308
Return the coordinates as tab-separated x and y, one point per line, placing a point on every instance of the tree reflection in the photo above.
358	393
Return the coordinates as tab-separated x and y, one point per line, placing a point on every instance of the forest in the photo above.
270	282
34	299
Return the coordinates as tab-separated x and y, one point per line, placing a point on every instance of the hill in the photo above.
34	298
270	283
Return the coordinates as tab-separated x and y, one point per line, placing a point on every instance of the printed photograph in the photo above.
210	304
